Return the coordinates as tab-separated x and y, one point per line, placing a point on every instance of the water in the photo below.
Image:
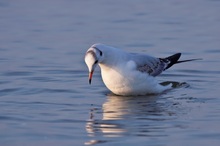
45	98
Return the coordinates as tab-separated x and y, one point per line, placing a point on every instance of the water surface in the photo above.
45	98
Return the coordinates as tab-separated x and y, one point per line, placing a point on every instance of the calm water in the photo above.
45	98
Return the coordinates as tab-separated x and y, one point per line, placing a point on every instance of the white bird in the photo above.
128	73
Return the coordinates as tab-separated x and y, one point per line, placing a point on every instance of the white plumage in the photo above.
127	73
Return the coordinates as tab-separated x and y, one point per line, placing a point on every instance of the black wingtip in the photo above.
172	60
188	60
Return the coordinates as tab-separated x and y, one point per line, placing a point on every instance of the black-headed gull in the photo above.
128	73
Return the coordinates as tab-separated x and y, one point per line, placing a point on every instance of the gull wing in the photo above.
154	66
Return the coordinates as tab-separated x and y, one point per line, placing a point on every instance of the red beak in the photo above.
90	77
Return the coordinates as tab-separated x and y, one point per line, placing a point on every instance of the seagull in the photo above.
126	73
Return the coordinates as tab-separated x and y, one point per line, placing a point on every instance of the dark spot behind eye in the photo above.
96	61
100	52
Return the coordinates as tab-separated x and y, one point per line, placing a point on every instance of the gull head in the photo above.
92	58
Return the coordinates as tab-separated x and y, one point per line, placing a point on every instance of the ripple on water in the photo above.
17	73
176	84
9	91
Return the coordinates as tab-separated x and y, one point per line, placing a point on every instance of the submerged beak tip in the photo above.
90	77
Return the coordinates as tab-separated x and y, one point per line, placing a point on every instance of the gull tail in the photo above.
174	59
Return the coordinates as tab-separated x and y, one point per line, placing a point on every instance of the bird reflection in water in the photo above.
121	116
